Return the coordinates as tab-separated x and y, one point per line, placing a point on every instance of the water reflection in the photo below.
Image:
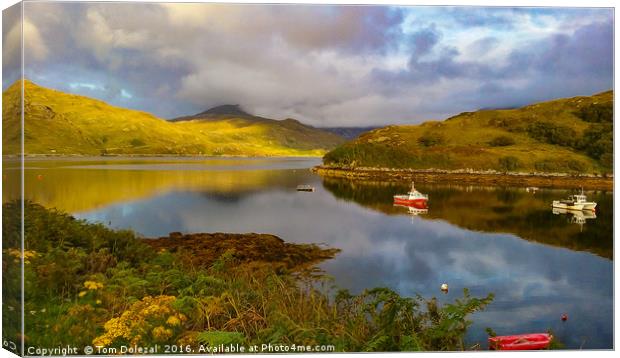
527	214
578	217
487	239
82	184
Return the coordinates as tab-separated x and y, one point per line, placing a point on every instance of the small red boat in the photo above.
521	342
414	199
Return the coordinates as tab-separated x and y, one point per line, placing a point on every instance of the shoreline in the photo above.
111	156
551	180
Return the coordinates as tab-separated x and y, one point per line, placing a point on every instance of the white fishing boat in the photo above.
575	202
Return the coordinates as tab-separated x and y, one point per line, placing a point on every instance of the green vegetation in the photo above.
61	123
573	135
430	139
508	163
88	285
501	141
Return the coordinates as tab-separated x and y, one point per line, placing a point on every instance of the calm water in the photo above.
507	241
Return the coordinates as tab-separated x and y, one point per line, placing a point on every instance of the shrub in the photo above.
577	165
371	154
607	160
137	142
508	163
552	133
597	113
547	166
430	139
501	141
597	140
216	338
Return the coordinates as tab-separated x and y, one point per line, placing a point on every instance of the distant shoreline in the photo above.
186	156
544	180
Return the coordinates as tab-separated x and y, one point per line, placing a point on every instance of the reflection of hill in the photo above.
488	209
75	190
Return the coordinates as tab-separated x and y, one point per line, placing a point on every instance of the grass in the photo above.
61	123
567	135
88	285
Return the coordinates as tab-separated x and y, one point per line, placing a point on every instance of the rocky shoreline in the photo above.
204	249
468	176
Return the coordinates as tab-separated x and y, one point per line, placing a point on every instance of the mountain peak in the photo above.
226	109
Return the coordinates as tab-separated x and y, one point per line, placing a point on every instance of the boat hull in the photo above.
575	206
521	342
589	206
416	203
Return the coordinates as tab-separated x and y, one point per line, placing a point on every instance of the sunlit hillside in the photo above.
565	135
61	123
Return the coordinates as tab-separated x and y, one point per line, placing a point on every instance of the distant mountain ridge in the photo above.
62	123
569	135
349	132
223	110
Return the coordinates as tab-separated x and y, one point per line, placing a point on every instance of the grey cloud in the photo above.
588	51
324	65
11	45
424	40
559	65
484	45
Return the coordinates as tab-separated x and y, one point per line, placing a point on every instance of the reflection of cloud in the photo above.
327	65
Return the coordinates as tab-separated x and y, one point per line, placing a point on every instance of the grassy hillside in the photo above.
565	135
61	123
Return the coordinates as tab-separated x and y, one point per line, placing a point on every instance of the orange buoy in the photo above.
564	317
40	177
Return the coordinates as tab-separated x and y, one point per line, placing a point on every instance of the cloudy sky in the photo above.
324	65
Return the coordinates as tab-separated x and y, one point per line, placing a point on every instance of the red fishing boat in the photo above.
521	342
414	199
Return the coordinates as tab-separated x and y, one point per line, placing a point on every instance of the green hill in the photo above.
61	123
564	135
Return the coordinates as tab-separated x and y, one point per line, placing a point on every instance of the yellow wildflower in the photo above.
173	321
102	341
82	293
136	340
26	255
161	334
93	285
141	317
